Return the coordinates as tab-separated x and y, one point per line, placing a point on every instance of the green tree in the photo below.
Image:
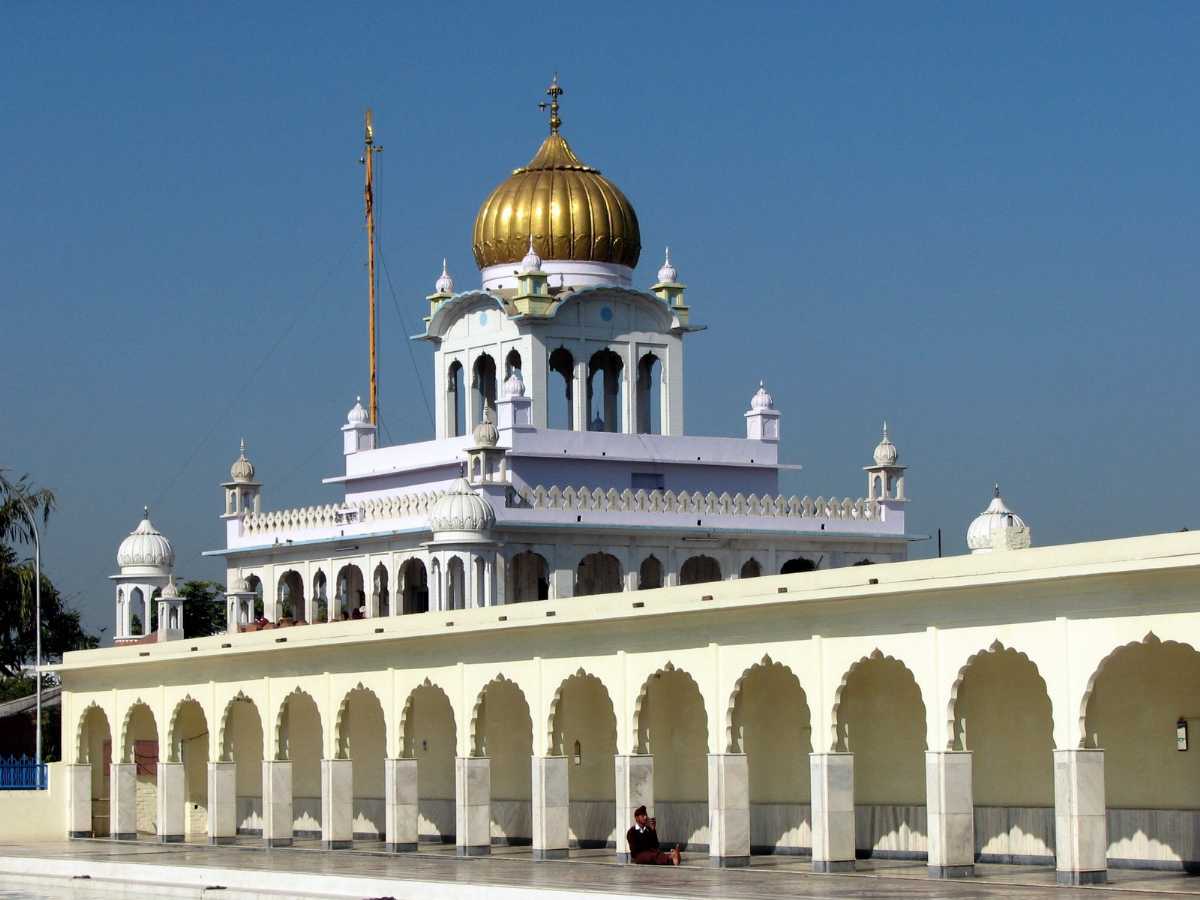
203	614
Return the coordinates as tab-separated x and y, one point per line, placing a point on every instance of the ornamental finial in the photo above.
554	92
996	489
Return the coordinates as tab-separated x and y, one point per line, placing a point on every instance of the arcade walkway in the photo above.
245	869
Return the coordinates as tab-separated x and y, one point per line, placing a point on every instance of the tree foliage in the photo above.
203	612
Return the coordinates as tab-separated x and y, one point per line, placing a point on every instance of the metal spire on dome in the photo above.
554	92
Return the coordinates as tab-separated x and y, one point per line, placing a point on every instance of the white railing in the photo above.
331	515
710	504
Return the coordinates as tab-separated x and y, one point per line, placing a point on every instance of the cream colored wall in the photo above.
1138	697
1002	715
770	724
672	727
881	720
244	736
140	726
35	815
1066	608
430	739
585	714
504	734
363	729
301	743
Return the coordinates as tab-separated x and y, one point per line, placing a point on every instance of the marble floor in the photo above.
511	870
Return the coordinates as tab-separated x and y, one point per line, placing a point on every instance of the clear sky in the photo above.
976	220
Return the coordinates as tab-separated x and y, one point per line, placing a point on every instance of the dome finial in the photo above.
668	274
444	283
996	489
532	262
553	92
145	512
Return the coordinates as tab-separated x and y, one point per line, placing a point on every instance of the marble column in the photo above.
728	809
171	802
1080	829
832	811
472	805
222	802
79	800
400	804
551	804
337	804
277	802
950	805
635	787
123	799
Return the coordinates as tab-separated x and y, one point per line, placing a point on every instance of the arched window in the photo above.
137	601
649	395
699	570
650	573
751	568
530	577
350	594
291	595
512	362
456	584
416	587
456	410
604	392
320	598
797	564
480	582
560	398
483	386
598	573
380	590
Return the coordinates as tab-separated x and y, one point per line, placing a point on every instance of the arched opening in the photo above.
530	577
363	740
320	598
504	734
1002	715
141	748
139	615
751	569
598	573
512	363
604	392
416	587
351	598
301	741
243	745
189	745
649	400
583	728
429	736
672	726
1138	699
700	570
456	584
480	581
255	586
797	564
770	723
650	573
880	718
379	588
483	386
291	595
560	406
95	749
456	400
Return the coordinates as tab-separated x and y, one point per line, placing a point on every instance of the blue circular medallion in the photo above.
606	313
483	319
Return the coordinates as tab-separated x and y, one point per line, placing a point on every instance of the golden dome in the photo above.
573	212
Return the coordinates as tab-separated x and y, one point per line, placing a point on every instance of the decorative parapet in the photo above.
331	515
704	504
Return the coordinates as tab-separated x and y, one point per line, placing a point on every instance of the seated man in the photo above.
643	842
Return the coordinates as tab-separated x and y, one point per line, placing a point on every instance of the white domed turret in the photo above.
146	551
762	419
461	513
761	399
668	274
531	261
886	453
485	432
242	470
358	433
358	413
444	284
998	528
514	385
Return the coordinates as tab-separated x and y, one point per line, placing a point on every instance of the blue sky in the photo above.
978	221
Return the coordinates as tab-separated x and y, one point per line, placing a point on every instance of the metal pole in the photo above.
37	601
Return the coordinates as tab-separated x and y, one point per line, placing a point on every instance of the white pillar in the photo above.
1080	830
579	404
832	811
635	787
337	804
400	804
79	800
551	805
277	802
171	802
728	809
949	802
472	805
123	799
222	802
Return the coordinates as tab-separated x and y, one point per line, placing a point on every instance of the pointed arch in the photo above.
173	738
406	712
280	723
477	708
340	738
875	655
764	664
223	730
81	731
581	675
126	746
995	647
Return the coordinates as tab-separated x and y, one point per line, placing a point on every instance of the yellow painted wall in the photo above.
1138	697
881	720
1002	715
505	735
431	739
143	728
771	726
244	735
302	744
365	744
585	714
672	726
35	815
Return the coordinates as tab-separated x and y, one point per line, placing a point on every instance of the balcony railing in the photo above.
21	774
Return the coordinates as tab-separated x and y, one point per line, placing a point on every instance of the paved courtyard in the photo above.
435	871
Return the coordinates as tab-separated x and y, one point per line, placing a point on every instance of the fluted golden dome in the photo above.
573	212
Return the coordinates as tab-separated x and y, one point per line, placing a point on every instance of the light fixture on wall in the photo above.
1181	734
578	754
